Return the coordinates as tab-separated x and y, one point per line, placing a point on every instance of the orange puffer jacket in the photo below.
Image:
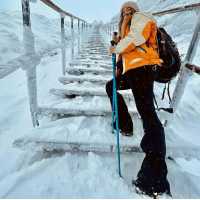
139	46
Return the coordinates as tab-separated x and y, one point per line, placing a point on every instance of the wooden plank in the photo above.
71	92
90	61
80	71
68	112
178	9
88	65
76	147
72	79
98	57
84	92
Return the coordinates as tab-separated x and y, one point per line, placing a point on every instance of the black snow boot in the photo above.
152	177
125	126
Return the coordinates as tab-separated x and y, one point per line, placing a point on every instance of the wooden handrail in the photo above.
194	68
178	9
59	10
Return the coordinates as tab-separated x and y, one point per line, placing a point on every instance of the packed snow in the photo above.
30	173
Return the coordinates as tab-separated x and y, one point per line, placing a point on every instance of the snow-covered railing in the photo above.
194	68
186	71
178	9
31	55
110	27
59	10
63	14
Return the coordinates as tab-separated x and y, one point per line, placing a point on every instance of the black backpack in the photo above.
168	52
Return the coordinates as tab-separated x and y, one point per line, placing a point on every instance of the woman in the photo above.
137	59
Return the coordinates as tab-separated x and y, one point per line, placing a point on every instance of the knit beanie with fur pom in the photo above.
130	4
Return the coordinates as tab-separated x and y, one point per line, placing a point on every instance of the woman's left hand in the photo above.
112	50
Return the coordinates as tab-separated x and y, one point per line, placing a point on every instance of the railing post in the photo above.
29	47
63	46
72	38
82	25
185	73
78	24
110	30
79	35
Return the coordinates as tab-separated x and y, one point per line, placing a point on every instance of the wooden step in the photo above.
81	71
81	133
75	147
91	65
89	54
72	93
186	152
94	53
71	79
92	62
72	112
97	58
62	136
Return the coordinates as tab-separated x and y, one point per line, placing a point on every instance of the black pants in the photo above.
125	121
141	81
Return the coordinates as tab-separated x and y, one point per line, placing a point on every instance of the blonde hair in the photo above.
130	4
121	18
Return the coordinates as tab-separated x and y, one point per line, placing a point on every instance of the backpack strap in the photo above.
168	92
169	110
163	94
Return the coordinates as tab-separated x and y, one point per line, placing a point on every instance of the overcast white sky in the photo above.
87	9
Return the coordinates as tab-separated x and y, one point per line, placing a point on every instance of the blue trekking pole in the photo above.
115	117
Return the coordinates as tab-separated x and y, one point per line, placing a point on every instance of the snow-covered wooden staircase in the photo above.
82	109
81	95
85	77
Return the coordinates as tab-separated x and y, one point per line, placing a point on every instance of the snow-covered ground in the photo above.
32	174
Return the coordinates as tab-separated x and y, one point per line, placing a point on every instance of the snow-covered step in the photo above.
91	65
90	49
83	105
75	112
92	62
86	92
99	57
102	53
94	134
92	53
93	48
80	79
81	71
74	147
95	53
80	106
186	152
25	143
